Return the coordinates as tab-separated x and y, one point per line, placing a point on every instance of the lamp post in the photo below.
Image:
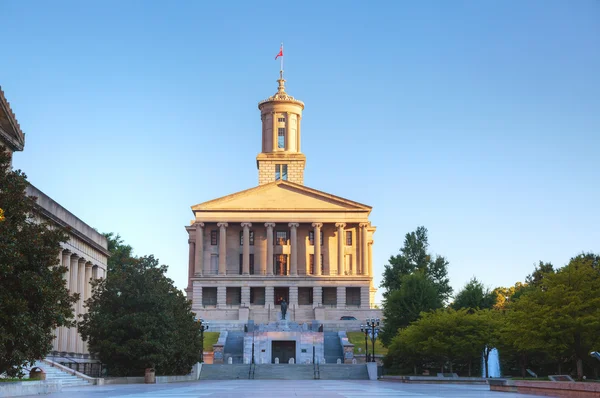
373	331
203	327
365	330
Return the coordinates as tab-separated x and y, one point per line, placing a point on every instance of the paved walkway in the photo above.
285	389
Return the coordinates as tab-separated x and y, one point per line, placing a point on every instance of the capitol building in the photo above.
281	240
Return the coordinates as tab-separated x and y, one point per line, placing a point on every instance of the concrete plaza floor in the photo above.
285	389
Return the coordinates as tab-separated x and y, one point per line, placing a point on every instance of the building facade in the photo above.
280	240
85	254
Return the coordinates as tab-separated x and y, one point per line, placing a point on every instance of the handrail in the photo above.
251	371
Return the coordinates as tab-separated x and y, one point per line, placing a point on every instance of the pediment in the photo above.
281	196
10	131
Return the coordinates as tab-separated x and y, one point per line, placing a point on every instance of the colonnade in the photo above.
361	245
80	272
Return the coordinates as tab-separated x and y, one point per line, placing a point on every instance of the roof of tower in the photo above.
281	95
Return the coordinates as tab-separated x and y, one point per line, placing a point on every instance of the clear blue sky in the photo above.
477	119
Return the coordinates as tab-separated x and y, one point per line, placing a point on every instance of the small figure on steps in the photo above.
283	309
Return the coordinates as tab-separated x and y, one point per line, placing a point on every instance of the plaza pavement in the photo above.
285	389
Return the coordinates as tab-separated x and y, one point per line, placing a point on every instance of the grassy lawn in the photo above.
9	379
210	338
358	339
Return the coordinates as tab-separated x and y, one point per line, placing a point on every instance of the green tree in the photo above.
417	294
33	297
442	337
475	296
414	257
562	317
537	276
138	319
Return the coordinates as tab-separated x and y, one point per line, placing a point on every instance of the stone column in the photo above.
371	258
199	249
341	243
317	241
72	341
88	293
246	250
270	227
275	136
341	297
63	332
298	118
190	263
221	296
294	248
288	141
245	299
364	248
222	247
269	297
81	291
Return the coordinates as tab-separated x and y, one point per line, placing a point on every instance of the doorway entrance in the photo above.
284	350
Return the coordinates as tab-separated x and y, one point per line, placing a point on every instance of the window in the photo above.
311	264
251	264
348	238
209	296
251	238
281	172
305	295
280	264
257	295
353	296
311	237
281	120
281	238
281	137
213	237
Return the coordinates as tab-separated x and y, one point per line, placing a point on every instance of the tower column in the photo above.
298	118
340	232
199	248
222	247
364	251
288	141
270	227
317	241
294	248
275	144
246	249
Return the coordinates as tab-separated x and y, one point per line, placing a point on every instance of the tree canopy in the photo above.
138	319
475	296
33	297
414	257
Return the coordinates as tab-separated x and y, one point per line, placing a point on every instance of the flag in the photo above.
280	54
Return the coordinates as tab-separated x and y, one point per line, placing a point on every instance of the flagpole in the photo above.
282	60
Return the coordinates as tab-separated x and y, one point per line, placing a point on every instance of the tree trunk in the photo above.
559	368
469	368
415	369
450	366
442	368
579	368
523	365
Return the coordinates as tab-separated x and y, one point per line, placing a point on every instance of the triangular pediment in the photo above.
10	131
281	196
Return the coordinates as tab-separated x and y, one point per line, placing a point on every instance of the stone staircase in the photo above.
56	374
234	347
224	372
343	372
332	347
284	372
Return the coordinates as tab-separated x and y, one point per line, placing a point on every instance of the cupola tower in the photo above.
281	158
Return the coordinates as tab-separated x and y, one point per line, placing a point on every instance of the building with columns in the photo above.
85	254
281	240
